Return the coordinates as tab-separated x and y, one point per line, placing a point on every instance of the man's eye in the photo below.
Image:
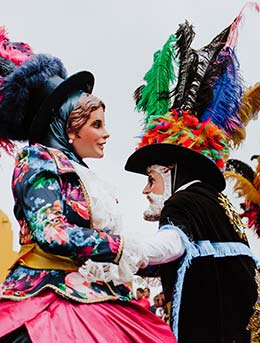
151	180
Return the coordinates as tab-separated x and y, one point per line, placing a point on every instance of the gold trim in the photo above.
120	250
233	216
57	155
87	199
254	323
64	295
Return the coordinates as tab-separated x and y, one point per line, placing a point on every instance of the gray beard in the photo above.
154	210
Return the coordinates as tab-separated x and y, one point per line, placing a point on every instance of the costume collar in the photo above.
186	185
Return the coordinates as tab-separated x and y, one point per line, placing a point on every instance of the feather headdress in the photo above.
12	54
32	88
196	98
247	185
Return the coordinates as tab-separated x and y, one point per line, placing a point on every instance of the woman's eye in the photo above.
97	124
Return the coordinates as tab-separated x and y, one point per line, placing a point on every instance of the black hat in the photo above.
168	154
32	92
52	95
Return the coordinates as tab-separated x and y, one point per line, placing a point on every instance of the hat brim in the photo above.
168	154
83	80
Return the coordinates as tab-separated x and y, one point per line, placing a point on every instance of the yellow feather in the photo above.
237	137
257	176
250	104
243	187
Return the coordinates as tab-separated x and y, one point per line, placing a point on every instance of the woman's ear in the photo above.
71	136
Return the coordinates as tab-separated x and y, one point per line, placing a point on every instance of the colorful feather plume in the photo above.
185	35
250	104
12	54
232	39
185	129
227	93
155	98
8	146
16	52
241	168
247	185
199	75
210	108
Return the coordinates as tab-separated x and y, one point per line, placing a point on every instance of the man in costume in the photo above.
211	289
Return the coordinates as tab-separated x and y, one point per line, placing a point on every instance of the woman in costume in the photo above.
61	288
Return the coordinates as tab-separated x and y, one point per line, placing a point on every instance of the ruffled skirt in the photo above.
50	318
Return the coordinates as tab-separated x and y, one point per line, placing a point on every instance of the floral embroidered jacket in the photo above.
53	212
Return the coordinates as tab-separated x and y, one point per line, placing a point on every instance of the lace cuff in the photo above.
163	247
131	261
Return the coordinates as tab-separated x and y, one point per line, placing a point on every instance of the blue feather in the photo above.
227	93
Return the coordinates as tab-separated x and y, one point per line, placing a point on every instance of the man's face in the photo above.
155	183
139	295
146	293
157	190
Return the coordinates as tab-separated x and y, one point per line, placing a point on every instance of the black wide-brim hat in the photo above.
167	154
52	95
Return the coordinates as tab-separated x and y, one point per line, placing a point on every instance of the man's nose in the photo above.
146	190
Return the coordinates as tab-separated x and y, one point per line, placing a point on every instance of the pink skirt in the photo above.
50	318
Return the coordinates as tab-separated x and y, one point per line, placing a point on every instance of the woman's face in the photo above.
92	136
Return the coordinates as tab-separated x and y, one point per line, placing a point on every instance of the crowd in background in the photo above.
159	306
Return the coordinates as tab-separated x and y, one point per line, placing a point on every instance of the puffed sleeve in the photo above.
37	189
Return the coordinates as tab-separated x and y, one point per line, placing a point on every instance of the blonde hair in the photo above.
81	112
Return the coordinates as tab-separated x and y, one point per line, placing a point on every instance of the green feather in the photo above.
155	95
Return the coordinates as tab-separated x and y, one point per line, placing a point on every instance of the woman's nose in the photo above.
106	134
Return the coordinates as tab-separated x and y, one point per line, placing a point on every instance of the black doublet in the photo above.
218	294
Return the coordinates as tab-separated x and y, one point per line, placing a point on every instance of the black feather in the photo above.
138	94
185	35
16	90
241	168
6	66
194	92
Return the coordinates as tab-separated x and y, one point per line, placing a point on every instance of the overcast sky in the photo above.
115	40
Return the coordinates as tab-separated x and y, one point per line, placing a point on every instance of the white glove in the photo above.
161	247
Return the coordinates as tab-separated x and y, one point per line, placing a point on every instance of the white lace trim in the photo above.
106	216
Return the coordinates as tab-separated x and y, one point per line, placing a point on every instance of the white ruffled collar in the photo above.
103	201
